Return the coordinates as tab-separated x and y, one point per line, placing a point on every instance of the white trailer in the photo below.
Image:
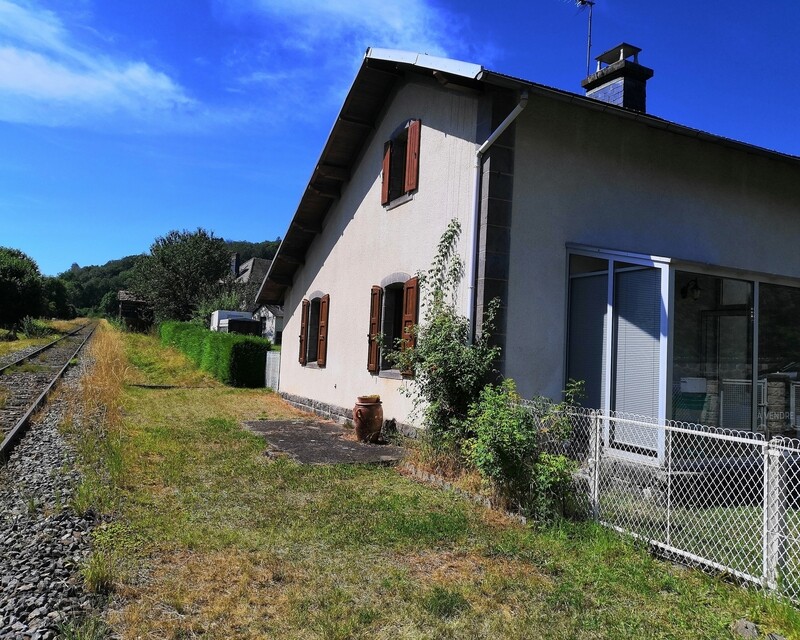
218	316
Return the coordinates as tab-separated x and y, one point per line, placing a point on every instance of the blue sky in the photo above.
121	120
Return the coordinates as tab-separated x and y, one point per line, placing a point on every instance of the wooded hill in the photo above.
93	289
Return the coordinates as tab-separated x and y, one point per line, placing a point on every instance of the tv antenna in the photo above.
582	4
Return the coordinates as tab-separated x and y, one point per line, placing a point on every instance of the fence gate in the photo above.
273	370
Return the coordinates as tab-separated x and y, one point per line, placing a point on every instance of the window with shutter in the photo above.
314	330
387	168
312	340
400	174
410	290
373	349
393	316
412	156
322	339
303	330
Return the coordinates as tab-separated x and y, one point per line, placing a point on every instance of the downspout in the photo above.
473	269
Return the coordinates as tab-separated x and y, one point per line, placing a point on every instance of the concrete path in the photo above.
311	441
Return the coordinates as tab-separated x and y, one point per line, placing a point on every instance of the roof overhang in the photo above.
380	71
357	120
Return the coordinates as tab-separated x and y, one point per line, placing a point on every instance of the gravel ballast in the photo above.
43	542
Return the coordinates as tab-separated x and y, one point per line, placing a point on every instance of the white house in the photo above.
251	272
658	263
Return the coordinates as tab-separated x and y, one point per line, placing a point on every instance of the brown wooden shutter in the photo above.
303	330
387	167
412	156
322	339
374	351
410	289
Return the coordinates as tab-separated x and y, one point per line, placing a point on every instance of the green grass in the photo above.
27	367
153	364
87	629
238	545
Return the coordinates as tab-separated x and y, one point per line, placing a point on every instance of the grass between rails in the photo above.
212	538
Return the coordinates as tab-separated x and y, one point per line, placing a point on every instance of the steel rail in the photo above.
13	436
43	348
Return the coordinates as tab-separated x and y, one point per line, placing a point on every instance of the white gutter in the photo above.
473	267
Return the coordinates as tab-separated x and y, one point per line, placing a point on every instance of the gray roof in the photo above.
129	296
253	270
380	70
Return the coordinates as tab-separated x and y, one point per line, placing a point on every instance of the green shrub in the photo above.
506	440
235	359
33	328
7	336
509	449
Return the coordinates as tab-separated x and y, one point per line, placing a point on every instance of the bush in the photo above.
509	450
506	439
33	328
234	359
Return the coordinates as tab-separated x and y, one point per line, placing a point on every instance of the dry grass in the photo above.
209	594
65	326
450	468
101	386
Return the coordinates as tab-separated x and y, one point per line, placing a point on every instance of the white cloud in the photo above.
408	24
48	78
311	49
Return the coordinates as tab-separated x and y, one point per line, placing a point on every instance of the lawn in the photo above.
212	538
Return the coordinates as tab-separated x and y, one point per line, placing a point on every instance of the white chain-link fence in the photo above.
727	500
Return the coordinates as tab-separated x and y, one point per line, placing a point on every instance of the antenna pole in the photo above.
590	4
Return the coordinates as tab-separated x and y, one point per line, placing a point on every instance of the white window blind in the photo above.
636	364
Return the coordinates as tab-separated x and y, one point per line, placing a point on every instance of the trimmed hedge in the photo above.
235	359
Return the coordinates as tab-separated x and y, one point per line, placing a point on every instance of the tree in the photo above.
55	301
86	286
180	270
226	294
109	304
20	286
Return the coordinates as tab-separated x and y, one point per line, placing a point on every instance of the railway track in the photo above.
25	383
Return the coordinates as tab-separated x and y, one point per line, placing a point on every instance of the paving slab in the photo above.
312	441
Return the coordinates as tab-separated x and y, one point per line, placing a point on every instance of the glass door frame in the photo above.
667	283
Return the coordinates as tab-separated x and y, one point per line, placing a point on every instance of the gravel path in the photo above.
42	541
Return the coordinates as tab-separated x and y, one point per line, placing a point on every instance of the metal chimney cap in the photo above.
621	52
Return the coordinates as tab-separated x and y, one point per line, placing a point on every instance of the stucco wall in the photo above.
586	177
362	243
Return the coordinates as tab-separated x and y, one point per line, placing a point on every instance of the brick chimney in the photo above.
619	78
235	265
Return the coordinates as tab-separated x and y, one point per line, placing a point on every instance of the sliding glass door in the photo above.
617	343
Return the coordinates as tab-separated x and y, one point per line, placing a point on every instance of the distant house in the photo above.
253	272
655	262
134	313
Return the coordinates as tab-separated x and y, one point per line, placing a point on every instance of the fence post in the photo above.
594	465
774	516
